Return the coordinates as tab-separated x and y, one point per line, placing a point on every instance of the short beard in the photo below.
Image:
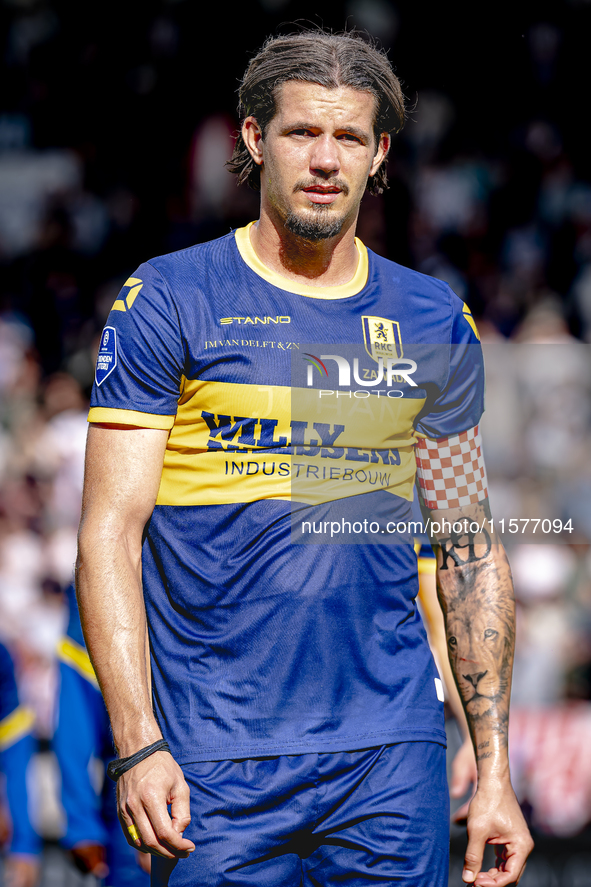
323	226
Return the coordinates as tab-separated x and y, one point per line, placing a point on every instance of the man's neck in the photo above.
329	262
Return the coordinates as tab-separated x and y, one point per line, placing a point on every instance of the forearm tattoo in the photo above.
474	586
476	594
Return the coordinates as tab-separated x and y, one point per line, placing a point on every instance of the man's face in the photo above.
316	156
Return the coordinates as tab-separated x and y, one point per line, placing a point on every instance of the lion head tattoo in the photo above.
479	643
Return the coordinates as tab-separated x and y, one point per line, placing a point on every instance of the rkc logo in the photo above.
382	337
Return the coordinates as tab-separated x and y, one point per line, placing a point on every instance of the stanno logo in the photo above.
242	321
125	303
467	314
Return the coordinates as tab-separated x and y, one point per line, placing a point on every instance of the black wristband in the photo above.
121	765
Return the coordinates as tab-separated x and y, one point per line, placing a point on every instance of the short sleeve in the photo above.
425	559
140	359
460	403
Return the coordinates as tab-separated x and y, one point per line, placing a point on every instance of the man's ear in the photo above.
253	139
381	153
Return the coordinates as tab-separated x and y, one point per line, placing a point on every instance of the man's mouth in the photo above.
322	194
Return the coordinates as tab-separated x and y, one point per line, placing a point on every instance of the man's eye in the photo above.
347	137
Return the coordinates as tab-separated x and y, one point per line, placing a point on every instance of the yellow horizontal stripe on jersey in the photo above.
16	725
76	657
223	479
110	416
218	449
342	291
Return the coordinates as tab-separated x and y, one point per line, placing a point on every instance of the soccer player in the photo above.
294	729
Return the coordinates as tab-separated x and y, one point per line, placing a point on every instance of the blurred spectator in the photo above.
545	625
83	746
18	838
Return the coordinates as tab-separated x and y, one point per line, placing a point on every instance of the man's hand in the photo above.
144	793
22	871
495	818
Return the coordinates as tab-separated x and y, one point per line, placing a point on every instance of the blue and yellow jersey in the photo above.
17	747
284	403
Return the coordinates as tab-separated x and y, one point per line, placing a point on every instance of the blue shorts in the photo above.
376	816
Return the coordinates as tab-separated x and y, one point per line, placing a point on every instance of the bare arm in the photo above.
123	469
476	593
463	768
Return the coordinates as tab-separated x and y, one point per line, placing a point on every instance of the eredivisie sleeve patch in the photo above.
451	470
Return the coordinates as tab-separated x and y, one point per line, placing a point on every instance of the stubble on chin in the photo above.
320	226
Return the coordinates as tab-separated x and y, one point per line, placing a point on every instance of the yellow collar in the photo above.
342	291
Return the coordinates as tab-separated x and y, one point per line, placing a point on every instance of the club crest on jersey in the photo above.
106	360
382	337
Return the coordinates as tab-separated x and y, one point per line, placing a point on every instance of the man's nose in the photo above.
324	159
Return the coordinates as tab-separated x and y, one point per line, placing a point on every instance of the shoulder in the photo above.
170	284
425	297
193	261
413	281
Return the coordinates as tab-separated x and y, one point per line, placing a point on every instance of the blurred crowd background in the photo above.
115	124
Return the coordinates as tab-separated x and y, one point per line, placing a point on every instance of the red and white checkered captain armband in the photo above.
451	470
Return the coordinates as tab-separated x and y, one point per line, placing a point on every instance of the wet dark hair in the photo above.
332	60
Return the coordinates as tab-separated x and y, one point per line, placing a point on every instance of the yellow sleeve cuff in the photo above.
427	566
110	416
